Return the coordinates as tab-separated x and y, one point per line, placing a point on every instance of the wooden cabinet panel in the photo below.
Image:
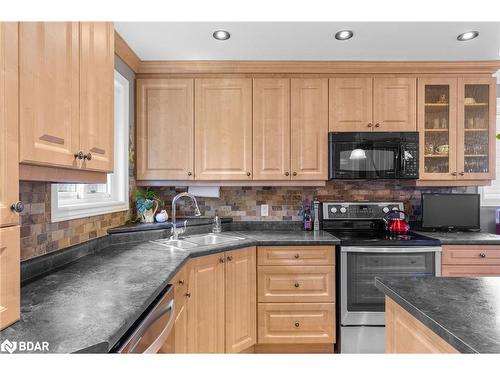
271	129
223	129
309	129
96	94
351	104
485	255
9	164
395	104
205	307
405	334
296	284
294	323
469	271
295	255
49	93
241	304
180	284
9	276
476	128
165	125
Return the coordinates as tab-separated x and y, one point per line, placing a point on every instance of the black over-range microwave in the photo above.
373	155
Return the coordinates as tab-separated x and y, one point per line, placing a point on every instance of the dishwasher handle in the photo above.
160	340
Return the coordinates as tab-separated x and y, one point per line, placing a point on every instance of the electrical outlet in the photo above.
264	210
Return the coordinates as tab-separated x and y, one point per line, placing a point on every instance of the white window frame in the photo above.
490	195
118	182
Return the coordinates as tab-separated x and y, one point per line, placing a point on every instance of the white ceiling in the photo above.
311	40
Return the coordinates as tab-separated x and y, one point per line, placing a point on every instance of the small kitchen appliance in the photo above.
396	222
368	250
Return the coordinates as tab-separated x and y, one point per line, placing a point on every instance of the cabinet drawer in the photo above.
473	255
293	323
296	284
296	255
470	271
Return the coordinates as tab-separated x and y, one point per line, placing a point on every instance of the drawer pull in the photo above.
482	255
188	295
297	324
296	285
297	256
181	282
222	260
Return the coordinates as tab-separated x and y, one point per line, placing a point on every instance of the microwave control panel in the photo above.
409	161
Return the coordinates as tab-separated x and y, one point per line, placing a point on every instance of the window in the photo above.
72	201
490	195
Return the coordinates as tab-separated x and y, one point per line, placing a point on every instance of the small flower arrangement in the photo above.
146	204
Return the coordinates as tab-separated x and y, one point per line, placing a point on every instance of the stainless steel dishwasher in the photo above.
154	332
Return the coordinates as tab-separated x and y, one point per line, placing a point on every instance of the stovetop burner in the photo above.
382	238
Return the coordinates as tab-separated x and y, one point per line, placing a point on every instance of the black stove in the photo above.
361	224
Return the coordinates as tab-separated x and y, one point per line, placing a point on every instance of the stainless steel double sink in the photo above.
191	242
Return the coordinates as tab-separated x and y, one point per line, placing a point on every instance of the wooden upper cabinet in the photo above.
9	164
96	94
241	303
395	104
49	93
206	307
165	125
351	104
9	276
309	129
271	129
223	129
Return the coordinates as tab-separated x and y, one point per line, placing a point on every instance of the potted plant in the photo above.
146	204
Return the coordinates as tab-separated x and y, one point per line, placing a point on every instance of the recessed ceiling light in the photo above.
468	36
221	35
344	35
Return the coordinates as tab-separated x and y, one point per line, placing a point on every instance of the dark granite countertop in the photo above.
191	221
88	305
463	311
463	238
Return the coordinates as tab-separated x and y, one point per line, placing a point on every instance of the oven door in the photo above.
364	160
361	302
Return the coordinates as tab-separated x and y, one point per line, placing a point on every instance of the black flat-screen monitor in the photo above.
450	211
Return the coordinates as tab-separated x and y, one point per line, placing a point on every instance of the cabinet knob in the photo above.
482	255
453	173
249	174
79	155
190	174
181	282
294	173
377	125
88	156
229	258
17	207
297	324
188	295
297	256
369	125
221	260
287	173
296	285
461	173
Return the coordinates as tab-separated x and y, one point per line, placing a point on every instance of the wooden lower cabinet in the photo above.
9	276
405	334
470	260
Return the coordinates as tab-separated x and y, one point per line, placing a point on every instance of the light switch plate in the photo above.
264	210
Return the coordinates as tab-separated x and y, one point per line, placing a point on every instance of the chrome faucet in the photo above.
176	231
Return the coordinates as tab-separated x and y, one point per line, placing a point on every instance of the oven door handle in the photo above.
390	250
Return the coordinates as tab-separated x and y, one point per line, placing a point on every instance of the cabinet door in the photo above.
351	104
241	304
476	128
395	104
223	129
49	93
9	165
97	94
9	276
437	125
165	125
309	140
180	283
205	307
271	129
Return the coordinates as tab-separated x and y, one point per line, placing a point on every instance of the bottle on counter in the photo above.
308	220
316	215
216	225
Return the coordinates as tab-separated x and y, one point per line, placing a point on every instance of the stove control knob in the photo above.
333	210
343	210
395	208
385	209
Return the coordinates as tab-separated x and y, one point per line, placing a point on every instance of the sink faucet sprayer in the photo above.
176	231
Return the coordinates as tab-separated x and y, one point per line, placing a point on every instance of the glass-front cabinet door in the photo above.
437	114
476	128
